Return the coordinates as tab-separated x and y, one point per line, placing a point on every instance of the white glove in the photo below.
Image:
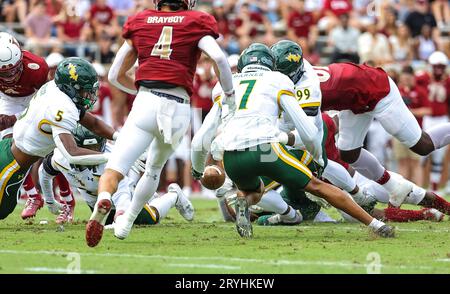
138	166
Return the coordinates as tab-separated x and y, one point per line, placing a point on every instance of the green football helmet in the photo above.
77	78
87	139
257	54
289	59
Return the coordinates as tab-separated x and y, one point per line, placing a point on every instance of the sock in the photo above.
187	190
272	201
440	204
164	203
339	176
145	188
403	215
376	224
440	135
29	187
369	166
64	190
289	213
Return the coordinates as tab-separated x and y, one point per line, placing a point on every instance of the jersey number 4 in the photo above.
162	48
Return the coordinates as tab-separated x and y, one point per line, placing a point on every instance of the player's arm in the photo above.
201	143
306	129
124	61
210	47
66	144
98	126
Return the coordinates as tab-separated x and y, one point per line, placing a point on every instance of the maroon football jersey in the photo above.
34	75
348	86
167	44
438	93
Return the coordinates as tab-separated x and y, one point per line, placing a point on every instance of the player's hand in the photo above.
230	101
7	121
195	174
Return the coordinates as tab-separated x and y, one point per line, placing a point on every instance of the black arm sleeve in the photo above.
311	111
47	165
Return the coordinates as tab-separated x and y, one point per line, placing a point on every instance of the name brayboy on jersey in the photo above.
165	19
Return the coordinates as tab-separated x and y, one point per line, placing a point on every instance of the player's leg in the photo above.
292	173
352	130
136	136
158	154
11	178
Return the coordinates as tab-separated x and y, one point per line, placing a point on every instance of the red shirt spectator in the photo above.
415	97
202	93
337	7
72	29
103	14
300	23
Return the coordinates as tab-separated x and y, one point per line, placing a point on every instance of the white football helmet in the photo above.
437	58
10	58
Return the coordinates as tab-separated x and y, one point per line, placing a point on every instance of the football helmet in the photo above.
11	65
189	4
87	139
77	78
289	59
256	54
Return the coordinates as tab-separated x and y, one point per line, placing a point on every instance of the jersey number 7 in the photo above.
162	48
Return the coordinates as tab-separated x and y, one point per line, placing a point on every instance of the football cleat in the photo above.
433	214
122	226
243	223
66	215
386	232
32	205
279	220
183	205
94	228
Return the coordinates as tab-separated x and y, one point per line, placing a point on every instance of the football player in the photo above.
362	93
47	123
21	75
251	146
437	86
167	43
85	179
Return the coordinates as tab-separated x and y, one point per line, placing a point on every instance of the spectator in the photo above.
424	43
388	21
332	9
38	27
71	30
301	25
441	12
103	19
419	17
105	45
345	41
402	45
226	40
13	10
252	26
416	99
374	46
53	7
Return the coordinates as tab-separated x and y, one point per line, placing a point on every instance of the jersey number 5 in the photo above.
162	48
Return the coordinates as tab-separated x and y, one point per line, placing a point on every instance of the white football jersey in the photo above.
32	133
308	94
257	97
85	179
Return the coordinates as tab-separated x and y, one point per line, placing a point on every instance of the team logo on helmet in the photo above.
294	57
73	72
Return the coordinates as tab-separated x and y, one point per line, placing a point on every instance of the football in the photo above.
213	177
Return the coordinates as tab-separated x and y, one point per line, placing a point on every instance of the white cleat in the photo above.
122	227
183	205
433	215
402	189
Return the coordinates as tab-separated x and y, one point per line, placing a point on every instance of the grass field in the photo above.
208	245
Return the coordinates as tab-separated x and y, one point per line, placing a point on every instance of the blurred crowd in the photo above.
399	35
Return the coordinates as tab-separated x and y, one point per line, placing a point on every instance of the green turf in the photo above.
209	245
